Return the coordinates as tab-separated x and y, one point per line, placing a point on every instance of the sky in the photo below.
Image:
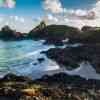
23	15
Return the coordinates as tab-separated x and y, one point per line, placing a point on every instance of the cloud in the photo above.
1	19
49	19
96	9
72	17
17	18
53	6
7	3
82	14
19	23
22	20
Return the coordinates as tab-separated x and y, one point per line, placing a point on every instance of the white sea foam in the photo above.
35	66
85	70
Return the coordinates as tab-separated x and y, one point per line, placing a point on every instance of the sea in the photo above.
22	58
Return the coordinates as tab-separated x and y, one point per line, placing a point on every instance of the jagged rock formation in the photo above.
38	32
39	27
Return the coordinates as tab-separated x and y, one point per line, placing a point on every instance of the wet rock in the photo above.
56	87
72	56
41	60
35	64
13	77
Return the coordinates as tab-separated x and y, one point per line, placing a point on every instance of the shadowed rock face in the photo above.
72	56
67	80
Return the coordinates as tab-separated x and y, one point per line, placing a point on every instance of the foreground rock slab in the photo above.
56	87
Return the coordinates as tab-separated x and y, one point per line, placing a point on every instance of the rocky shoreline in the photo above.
56	87
72	56
54	34
59	86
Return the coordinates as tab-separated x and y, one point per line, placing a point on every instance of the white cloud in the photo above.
52	18
73	17
16	18
49	19
18	23
96	9
79	13
53	6
22	19
7	3
1	19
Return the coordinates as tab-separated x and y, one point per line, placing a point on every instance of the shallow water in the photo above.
21	58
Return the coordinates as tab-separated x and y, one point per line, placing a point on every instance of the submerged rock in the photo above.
41	60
